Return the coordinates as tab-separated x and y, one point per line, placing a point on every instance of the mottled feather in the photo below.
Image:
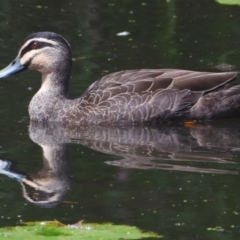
149	95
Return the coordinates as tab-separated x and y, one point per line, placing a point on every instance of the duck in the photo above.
136	97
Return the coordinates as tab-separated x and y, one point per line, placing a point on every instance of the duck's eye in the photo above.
34	45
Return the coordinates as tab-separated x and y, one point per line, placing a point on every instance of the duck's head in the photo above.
43	51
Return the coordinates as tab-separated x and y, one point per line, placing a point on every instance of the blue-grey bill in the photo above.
12	68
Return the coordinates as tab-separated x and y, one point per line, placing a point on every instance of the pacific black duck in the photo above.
127	97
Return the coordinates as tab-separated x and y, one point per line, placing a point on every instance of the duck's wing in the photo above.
149	95
143	80
201	81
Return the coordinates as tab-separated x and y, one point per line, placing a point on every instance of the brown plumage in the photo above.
143	96
151	96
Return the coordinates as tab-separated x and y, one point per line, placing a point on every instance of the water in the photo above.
178	181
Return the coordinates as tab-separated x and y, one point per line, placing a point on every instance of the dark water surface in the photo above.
182	182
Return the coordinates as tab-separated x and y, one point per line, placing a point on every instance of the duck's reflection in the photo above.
167	148
48	186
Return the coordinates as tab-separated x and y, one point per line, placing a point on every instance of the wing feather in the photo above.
151	94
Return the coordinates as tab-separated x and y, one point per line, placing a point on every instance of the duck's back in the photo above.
145	96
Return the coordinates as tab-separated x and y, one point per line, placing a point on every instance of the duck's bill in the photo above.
13	68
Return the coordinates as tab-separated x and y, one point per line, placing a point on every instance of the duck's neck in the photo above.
47	102
55	79
54	85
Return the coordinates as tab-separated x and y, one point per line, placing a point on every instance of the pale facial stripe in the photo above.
28	56
37	39
26	53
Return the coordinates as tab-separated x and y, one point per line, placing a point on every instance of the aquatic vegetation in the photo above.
57	230
229	2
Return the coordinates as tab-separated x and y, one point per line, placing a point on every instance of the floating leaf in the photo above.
58	231
229	2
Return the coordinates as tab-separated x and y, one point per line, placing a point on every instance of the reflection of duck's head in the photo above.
44	193
49	186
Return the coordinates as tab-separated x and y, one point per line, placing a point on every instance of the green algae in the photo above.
57	231
229	2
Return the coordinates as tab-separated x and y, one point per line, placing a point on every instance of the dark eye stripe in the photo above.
28	48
